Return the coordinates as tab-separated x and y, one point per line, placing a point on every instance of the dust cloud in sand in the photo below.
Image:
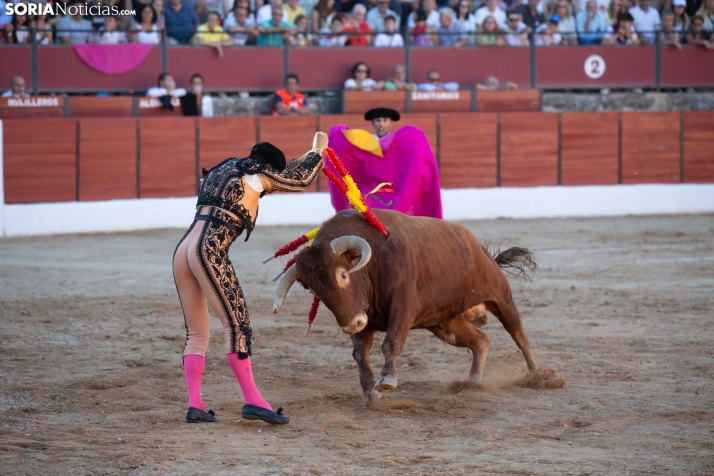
91	380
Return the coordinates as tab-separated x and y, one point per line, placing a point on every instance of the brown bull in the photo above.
427	273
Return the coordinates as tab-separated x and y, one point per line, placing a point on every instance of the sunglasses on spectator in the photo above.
434	80
514	19
360	70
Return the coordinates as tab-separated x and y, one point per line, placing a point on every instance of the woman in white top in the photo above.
145	31
464	16
566	27
360	80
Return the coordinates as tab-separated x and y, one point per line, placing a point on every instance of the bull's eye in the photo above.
343	278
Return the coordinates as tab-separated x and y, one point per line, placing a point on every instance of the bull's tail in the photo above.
516	262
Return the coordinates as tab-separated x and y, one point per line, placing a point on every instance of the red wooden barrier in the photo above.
92	106
692	66
529	149
239	68
168	157
359	102
60	69
566	66
456	101
699	147
516	100
589	148
292	135
468	66
32	107
468	150
224	137
107	159
151	107
650	147
354	121
40	170
16	60
328	68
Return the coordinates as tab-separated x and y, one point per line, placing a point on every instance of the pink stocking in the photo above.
193	368
244	373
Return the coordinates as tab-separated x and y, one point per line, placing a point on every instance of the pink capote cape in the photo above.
408	163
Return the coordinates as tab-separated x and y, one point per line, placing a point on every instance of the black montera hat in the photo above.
373	114
266	153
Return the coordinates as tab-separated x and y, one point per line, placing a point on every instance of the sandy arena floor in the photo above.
91	379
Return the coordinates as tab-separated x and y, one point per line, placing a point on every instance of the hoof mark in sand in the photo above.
542	379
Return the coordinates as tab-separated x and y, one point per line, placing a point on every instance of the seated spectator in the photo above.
19	30
360	80
211	34
548	34
17	88
181	21
646	21
681	19
697	35
491	83
613	11
450	32
398	80
322	14
274	31
622	33
332	35
74	29
490	34
591	24
158	6
434	83
240	26
422	32
356	24
530	14
566	27
300	36
464	15
264	13
389	37
490	9
378	15
109	34
294	10
706	11
144	30
669	37
517	31
431	15
196	102
166	90
288	101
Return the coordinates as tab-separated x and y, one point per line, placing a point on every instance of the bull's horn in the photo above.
352	242
281	292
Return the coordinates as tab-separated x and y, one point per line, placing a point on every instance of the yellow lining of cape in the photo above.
364	140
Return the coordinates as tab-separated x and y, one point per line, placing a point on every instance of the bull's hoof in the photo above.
385	384
372	396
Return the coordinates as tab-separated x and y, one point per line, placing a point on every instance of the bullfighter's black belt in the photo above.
219	221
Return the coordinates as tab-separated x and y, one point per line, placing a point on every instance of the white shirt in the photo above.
147	37
646	22
387	40
231	22
469	24
367	84
157	92
111	37
265	13
431	20
483	13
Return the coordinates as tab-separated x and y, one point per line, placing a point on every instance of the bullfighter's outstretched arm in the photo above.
299	173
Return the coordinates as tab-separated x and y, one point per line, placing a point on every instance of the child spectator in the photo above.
450	32
332	35
489	34
697	35
356	24
622	33
144	30
669	37
322	15
360	80
422	32
240	26
431	15
109	34
301	37
548	34
517	31
389	38
211	34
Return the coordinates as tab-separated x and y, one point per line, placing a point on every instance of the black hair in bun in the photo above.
267	154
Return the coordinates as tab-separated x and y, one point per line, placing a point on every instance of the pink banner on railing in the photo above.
112	59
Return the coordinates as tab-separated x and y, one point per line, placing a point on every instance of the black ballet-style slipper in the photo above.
253	412
194	415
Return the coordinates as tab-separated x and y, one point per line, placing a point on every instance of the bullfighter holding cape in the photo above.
393	170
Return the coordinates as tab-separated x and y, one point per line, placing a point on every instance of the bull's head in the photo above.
328	270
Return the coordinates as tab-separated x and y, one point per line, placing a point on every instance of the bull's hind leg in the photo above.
507	313
461	333
362	342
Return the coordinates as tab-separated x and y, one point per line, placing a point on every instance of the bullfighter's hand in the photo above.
319	144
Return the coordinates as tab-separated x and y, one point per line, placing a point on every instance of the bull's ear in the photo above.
353	256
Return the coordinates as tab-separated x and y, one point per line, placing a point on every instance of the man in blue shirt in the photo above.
273	31
181	21
591	24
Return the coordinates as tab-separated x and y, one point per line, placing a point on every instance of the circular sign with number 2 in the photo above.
594	66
